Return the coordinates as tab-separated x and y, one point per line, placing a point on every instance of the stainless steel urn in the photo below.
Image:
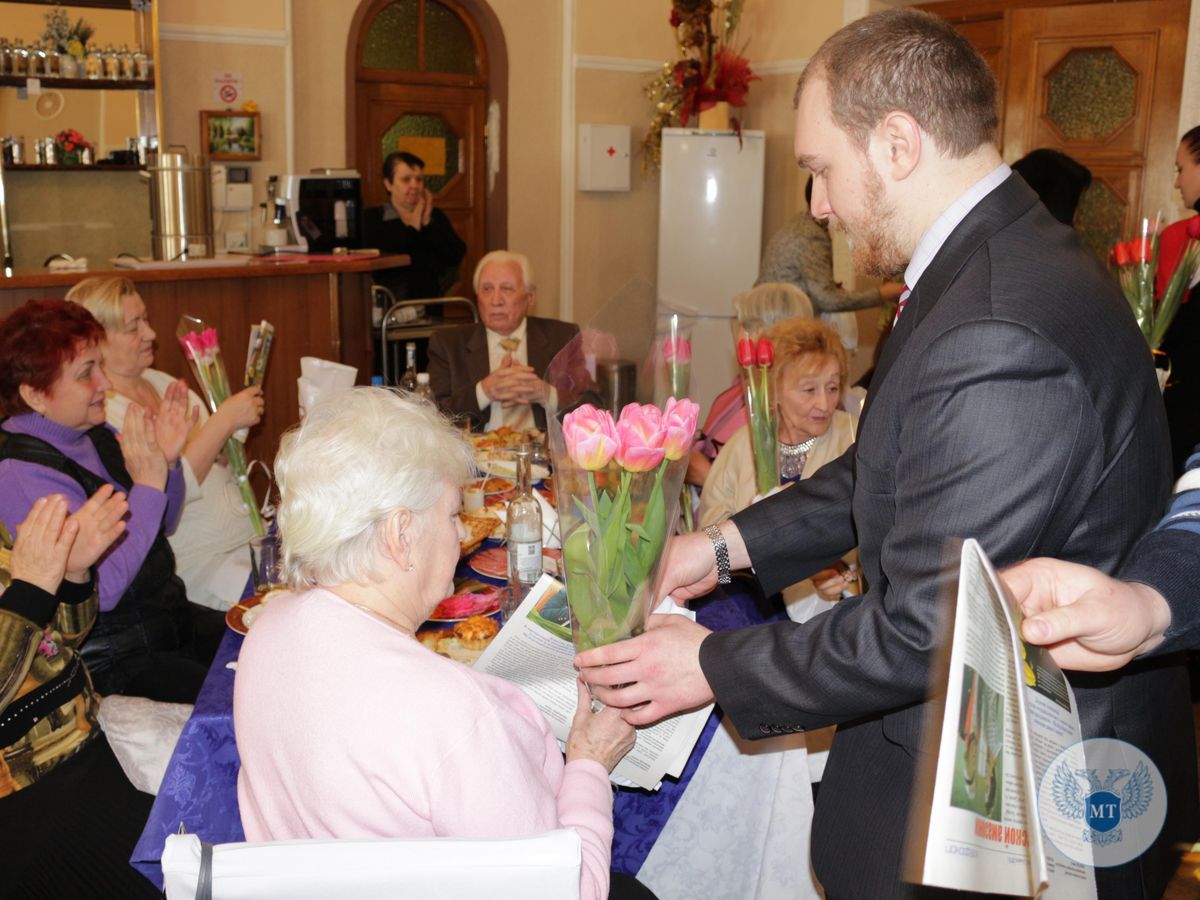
180	204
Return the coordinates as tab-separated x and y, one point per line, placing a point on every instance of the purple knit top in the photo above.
22	483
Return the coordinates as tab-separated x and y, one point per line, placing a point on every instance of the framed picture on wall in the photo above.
226	134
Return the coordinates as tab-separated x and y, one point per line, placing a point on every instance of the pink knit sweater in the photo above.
348	728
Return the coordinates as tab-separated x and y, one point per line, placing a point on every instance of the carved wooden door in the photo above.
420	86
1101	83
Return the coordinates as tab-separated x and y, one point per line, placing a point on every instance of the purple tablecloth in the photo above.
199	789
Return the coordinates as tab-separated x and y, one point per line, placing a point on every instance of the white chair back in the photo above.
543	867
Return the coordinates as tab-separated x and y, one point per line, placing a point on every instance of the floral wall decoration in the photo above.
709	69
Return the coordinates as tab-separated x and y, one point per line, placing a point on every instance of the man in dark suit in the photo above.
996	412
491	372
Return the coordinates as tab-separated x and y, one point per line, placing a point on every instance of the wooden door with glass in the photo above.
1101	83
421	87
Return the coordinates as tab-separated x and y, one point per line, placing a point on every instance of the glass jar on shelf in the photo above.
112	63
141	61
93	64
18	59
37	61
125	57
50	64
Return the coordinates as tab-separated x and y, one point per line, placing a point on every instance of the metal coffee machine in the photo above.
314	213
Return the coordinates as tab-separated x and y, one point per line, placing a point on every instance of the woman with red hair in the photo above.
147	640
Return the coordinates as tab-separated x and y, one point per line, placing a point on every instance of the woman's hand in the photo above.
143	458
603	736
243	410
43	542
831	583
174	421
99	521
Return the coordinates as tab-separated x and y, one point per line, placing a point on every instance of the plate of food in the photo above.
462	641
505	438
493	562
479	525
483	600
492	485
500	465
241	615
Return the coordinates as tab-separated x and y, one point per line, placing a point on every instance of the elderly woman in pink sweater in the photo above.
347	726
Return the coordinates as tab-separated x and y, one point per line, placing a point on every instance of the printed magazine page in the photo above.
1009	712
534	650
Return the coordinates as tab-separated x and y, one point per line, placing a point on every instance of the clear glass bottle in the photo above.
424	390
408	380
523	533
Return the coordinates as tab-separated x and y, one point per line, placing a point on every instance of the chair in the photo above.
406	320
543	867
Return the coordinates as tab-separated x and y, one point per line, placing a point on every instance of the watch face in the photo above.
49	104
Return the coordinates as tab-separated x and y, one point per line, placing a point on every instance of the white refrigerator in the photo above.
709	241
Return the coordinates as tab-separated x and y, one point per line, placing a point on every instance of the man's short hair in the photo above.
400	156
506	256
912	61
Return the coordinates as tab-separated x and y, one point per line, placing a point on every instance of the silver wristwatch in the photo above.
721	552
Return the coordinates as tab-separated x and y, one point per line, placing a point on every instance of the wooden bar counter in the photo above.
319	307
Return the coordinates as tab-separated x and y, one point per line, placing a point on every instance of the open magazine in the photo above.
534	650
1009	713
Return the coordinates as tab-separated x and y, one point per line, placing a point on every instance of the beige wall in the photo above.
202	40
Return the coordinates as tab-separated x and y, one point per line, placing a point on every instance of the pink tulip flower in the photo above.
679	426
641	435
591	436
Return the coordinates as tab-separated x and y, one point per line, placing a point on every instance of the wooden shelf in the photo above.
78	167
85	84
90	4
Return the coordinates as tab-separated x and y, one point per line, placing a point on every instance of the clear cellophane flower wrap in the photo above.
675	345
1136	263
202	350
755	357
619	463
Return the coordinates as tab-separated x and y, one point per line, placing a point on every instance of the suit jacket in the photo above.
458	360
996	412
1168	559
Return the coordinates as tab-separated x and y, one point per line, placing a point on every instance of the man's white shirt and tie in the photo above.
511	386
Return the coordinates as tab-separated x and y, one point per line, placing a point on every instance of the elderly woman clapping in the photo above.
148	640
210	541
347	726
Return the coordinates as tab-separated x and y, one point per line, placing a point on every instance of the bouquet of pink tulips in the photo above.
618	482
203	353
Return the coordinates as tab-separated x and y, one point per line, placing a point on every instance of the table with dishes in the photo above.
758	791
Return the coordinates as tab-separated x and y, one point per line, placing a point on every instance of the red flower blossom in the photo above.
745	352
765	352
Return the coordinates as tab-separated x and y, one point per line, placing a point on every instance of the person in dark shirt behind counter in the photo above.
410	223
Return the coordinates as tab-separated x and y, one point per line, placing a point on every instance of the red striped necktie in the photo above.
902	302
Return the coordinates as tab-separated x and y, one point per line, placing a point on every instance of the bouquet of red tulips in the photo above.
1136	263
756	359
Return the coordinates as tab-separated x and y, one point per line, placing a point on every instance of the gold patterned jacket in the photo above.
47	704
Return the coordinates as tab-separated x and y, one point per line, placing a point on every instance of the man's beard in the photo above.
876	252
